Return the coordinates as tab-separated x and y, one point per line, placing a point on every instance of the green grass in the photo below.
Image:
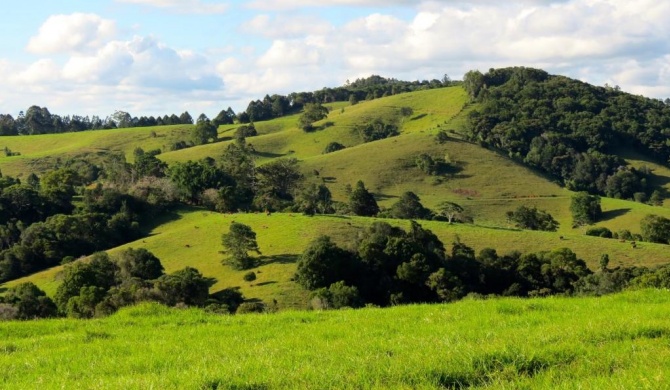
613	342
193	238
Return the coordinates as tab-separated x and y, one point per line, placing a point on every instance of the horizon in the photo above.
158	57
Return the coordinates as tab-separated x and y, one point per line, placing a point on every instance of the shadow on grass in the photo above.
278	259
268	154
266	283
611	214
149	223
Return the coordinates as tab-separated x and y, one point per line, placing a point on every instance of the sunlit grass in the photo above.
613	342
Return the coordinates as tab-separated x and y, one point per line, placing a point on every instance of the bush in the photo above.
333	147
251	307
600	231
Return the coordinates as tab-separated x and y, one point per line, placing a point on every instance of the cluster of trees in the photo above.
388	265
103	284
569	129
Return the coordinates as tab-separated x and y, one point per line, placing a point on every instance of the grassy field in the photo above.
487	184
612	342
192	237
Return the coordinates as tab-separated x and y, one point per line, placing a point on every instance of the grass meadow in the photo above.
612	342
192	237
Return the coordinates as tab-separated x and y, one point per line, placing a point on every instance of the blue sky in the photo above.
156	57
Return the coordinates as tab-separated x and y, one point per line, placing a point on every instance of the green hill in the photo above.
486	183
618	341
193	238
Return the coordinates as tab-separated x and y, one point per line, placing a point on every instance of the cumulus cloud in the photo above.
72	33
183	6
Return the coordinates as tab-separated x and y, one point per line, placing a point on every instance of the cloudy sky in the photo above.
155	57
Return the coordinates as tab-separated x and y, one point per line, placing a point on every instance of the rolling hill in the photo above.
485	182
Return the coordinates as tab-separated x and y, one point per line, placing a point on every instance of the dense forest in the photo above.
569	129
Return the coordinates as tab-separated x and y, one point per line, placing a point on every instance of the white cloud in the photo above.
183	6
283	26
72	33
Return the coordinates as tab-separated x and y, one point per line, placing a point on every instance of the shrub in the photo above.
251	307
333	147
599	231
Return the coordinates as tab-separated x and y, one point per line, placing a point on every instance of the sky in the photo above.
157	57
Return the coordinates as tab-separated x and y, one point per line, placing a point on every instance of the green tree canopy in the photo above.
240	240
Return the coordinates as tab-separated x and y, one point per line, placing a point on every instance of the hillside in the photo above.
484	181
193	238
618	341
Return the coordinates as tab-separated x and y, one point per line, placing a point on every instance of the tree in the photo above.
187	286
204	132
450	210
30	302
322	264
239	240
312	112
276	181
315	199
139	263
333	147
655	228
585	209
409	207
361	202
533	219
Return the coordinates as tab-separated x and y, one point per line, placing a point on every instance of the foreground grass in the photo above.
613	342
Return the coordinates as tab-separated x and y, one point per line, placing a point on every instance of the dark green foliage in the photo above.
314	199
204	132
361	202
139	263
187	286
245	131
377	129
585	209
313	112
30	302
146	164
251	307
655	228
441	137
193	177
323	263
568	128
337	296
409	207
239	240
333	147
532	219
100	272
276	182
599	231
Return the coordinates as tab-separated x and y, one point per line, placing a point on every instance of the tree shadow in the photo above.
268	154
278	259
611	214
382	197
149	223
